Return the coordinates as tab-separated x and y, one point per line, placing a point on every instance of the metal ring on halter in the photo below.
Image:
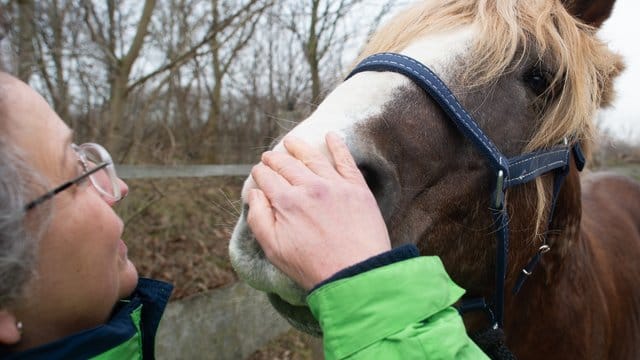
19	327
544	248
524	271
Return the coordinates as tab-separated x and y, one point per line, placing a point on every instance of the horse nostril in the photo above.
372	177
382	180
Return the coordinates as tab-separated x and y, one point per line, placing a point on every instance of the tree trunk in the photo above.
311	53
216	93
122	71
26	11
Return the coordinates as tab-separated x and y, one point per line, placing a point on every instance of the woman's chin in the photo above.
128	278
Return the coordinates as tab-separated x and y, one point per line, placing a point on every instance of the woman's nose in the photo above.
124	188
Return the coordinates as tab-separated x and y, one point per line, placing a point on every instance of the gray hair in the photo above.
20	232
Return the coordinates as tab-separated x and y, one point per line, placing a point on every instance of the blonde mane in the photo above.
583	66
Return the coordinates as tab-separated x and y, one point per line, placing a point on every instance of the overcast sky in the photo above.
622	31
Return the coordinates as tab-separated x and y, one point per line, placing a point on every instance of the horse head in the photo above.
531	73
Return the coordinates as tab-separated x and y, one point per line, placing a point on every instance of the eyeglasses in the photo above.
97	165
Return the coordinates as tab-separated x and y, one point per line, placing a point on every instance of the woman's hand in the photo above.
313	219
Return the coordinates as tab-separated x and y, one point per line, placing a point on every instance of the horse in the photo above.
532	75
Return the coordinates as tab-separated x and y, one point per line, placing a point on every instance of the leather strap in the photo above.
432	85
524	168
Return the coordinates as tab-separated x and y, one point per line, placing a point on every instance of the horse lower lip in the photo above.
300	317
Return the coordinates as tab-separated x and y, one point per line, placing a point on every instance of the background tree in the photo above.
208	81
118	53
316	26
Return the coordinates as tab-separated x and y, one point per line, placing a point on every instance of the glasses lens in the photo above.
104	180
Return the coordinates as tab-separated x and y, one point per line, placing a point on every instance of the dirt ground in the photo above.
178	230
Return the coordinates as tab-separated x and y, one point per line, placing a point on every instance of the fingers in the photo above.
310	157
261	218
288	167
345	164
270	182
305	162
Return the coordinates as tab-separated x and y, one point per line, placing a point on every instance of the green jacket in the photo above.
398	311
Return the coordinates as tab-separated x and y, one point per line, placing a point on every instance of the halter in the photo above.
508	172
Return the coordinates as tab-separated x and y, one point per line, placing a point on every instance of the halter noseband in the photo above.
509	171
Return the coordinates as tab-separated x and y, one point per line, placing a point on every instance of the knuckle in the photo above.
286	202
318	190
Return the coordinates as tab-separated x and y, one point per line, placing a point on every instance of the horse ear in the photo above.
592	12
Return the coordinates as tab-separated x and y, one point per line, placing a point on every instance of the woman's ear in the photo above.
592	12
10	328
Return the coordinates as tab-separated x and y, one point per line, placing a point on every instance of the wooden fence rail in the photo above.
180	171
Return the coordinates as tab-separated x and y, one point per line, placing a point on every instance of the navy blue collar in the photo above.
508	172
152	295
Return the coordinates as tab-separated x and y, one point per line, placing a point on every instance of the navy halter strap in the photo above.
508	172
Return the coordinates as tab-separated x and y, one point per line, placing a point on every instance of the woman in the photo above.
63	265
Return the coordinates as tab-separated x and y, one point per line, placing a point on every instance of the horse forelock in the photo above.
580	63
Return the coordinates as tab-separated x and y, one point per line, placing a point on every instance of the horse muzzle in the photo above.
252	266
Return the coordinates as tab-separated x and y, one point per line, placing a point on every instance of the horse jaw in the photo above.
347	107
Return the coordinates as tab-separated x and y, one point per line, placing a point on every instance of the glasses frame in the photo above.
103	156
51	193
84	152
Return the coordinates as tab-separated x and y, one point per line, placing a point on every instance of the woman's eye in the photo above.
80	169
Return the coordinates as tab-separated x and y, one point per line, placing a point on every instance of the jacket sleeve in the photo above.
399	311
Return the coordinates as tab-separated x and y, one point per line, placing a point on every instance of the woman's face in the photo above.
82	266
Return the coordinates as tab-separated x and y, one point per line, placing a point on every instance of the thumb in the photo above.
261	219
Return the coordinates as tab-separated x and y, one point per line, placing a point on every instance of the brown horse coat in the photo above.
584	303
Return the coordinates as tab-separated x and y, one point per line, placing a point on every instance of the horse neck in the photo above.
560	292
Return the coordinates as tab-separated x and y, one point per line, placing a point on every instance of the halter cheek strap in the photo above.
508	172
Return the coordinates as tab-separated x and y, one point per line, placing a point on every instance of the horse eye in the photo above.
538	80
